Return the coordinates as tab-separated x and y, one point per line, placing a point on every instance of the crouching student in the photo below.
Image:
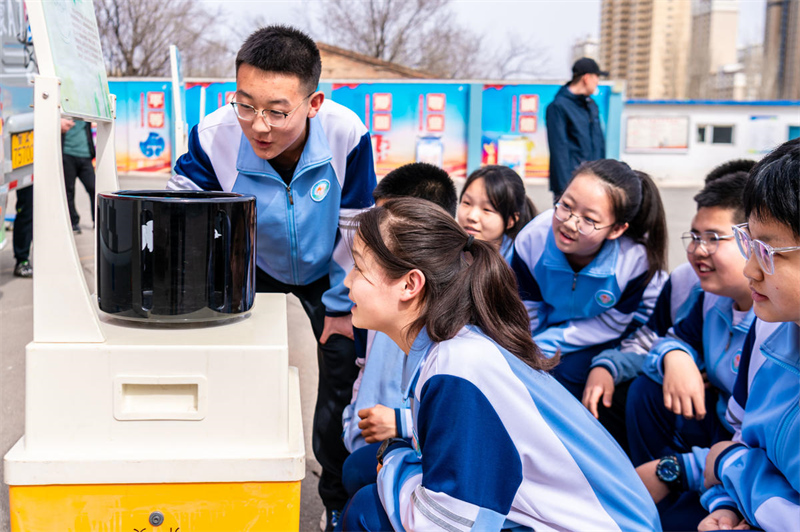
680	401
377	410
613	370
497	442
590	270
755	477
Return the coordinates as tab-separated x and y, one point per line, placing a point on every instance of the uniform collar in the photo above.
603	265
781	346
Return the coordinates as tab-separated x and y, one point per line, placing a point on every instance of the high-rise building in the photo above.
646	43
715	25
781	75
586	47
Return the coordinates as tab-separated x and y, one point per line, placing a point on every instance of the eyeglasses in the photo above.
764	252
585	225
272	117
708	239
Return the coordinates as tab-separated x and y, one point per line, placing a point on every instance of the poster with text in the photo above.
412	122
144	126
514	126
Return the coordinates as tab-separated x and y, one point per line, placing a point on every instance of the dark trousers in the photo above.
655	432
80	167
337	373
365	512
361	468
23	224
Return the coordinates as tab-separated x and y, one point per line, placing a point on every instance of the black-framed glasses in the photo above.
585	225
272	117
765	254
708	239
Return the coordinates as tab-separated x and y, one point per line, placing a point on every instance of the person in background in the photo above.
23	232
494	207
308	162
574	131
77	147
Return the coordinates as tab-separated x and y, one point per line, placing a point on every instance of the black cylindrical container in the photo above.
175	256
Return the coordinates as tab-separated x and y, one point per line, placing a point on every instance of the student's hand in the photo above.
377	423
655	487
723	519
683	386
599	384
709	475
66	124
337	325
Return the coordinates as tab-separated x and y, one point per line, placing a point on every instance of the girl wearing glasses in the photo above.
590	270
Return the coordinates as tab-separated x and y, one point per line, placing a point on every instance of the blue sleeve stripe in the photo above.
740	387
359	177
632	295
526	284
661	319
196	166
464	445
690	328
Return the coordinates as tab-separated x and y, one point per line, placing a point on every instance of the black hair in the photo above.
419	180
285	50
772	189
466	280
730	167
506	193
725	191
637	202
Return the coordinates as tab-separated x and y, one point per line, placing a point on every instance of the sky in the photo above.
553	24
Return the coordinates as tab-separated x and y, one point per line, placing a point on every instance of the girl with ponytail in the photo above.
590	269
497	442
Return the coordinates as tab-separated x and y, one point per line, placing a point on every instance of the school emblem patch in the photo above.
735	362
605	298
320	190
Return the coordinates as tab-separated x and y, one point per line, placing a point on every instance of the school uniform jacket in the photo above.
300	226
498	444
673	303
572	311
760	473
709	336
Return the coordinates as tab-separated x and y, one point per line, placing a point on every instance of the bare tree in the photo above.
423	34
136	34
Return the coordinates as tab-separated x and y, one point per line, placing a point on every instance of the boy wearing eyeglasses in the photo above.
309	164
680	401
754	477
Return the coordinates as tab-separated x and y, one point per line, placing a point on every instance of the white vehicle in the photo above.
17	68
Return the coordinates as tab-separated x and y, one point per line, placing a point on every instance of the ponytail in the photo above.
649	226
636	201
466	280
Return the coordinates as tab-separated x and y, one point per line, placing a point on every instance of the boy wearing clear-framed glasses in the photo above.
754	479
678	405
309	164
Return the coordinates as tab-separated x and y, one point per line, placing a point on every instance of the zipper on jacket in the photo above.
730	338
292	236
782	433
574	281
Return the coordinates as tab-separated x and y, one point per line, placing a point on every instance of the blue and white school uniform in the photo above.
500	445
713	334
581	313
760	474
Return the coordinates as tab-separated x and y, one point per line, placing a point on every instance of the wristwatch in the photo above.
384	448
668	471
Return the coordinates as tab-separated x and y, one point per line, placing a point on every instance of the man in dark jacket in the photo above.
574	132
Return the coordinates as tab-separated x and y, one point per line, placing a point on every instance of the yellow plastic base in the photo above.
223	507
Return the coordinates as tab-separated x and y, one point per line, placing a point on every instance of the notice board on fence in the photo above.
647	134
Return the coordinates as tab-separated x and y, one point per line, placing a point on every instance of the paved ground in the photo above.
16	331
